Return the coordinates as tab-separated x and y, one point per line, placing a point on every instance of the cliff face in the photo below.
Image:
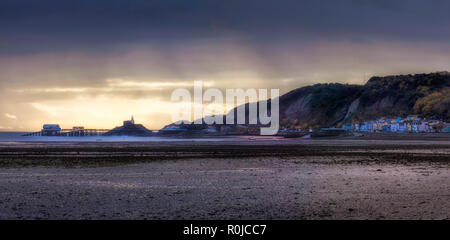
401	95
317	106
328	105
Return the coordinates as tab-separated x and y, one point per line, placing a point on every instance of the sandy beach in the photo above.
266	178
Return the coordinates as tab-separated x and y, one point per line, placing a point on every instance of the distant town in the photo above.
410	124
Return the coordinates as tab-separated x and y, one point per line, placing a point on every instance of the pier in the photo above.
70	133
129	128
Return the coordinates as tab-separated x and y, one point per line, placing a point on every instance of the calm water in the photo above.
17	137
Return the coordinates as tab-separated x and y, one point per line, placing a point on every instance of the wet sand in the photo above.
241	179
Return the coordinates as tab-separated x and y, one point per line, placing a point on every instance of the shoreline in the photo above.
357	135
82	154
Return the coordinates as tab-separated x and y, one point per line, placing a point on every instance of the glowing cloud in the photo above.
10	116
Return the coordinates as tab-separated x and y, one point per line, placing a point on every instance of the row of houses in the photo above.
410	124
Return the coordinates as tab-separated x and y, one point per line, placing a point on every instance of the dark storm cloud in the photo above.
104	25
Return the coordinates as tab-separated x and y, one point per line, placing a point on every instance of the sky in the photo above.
94	63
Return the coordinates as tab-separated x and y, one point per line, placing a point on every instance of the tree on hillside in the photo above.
434	105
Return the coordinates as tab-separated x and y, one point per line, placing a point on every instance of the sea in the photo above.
18	137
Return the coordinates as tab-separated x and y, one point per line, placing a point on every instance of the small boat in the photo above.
294	134
330	132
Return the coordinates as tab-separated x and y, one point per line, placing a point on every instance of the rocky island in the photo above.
129	128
